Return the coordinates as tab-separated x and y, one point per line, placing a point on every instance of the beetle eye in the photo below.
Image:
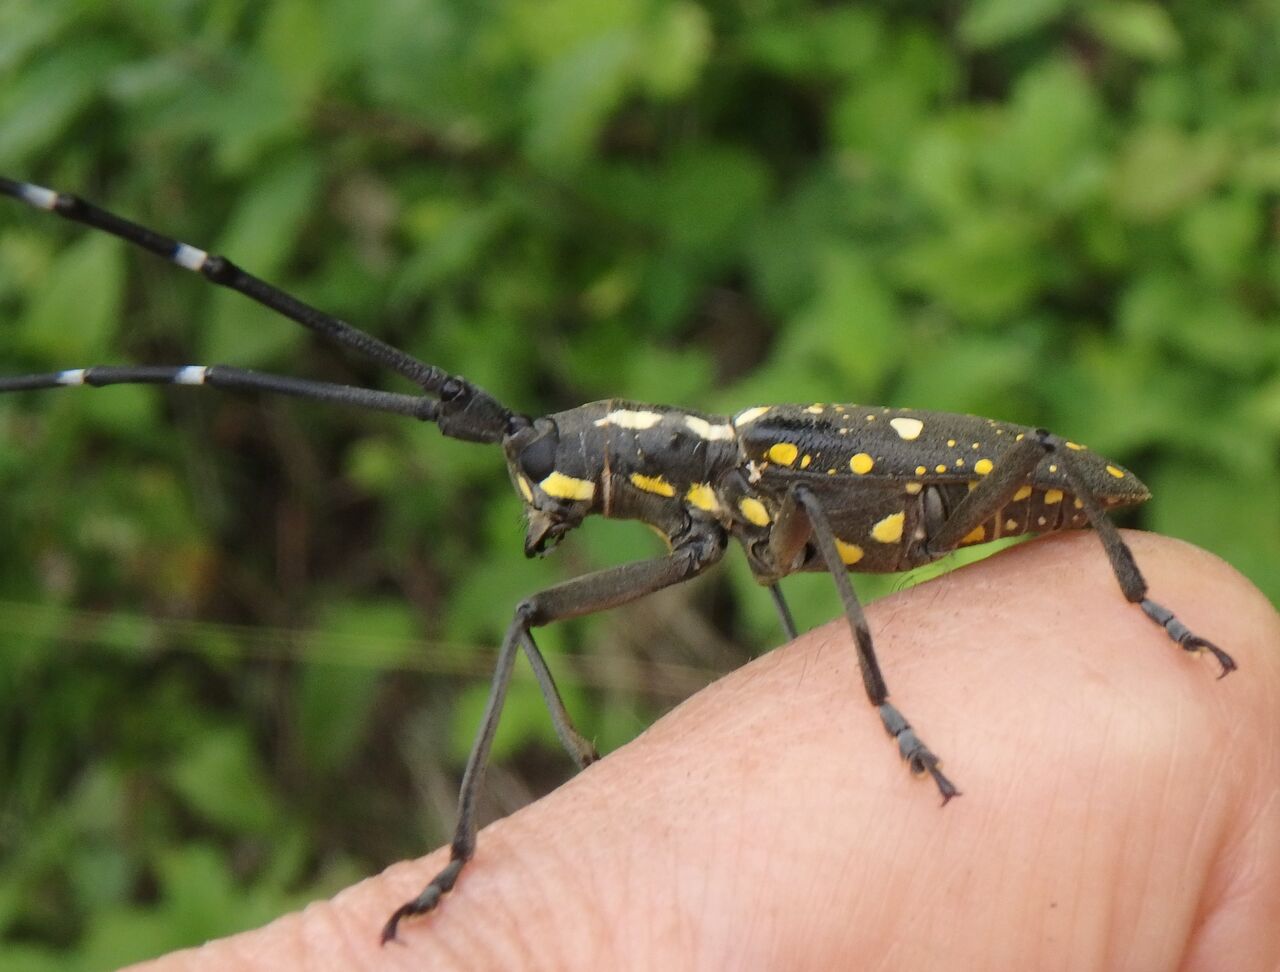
538	458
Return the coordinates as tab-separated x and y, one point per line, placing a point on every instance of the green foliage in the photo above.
239	639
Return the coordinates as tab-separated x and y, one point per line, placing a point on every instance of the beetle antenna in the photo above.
463	411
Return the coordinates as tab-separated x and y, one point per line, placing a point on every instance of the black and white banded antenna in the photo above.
461	410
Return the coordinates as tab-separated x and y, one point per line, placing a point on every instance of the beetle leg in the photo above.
784	612
996	489
992	493
583	595
1132	583
801	518
580	749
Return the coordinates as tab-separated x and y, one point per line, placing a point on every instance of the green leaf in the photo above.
572	97
675	49
222	780
35	110
73	320
1161	170
296	40
984	268
853	326
1219	235
1142	30
988	23
1236	518
336	696
263	232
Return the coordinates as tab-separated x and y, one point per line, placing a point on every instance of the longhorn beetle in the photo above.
821	487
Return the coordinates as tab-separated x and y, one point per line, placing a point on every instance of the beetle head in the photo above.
549	477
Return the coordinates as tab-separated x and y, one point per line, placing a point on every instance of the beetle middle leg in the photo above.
784	613
800	519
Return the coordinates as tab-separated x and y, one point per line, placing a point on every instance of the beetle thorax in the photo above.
623	460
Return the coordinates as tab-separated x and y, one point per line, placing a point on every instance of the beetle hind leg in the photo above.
1185	637
1132	583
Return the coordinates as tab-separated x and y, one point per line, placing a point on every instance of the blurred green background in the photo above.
244	643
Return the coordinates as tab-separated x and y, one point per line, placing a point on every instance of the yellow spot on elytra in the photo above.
951	442
525	489
754	511
1052	496
1011	524
652	484
1017	438
889	530
1053	467
914	488
703	497
783	453
564	487
983	466
959	463
850	553
976	535
1118	473
805	460
1075	445
831	472
1078	503
751	414
817	408
974	446
940	467
870	418
861	463
1041	520
920	470
1022	493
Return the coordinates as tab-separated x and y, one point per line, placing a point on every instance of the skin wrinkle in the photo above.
903	878
1164	775
1098	816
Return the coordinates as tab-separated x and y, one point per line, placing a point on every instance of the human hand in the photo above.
1120	808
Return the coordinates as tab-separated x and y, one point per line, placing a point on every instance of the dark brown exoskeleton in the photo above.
831	488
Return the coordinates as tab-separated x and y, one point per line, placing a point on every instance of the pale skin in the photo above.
1120	807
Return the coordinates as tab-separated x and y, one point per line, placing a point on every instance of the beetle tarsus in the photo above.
426	901
1184	637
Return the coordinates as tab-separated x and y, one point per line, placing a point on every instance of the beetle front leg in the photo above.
580	749
583	595
800	519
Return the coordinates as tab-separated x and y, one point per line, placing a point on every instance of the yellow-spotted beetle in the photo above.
821	487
